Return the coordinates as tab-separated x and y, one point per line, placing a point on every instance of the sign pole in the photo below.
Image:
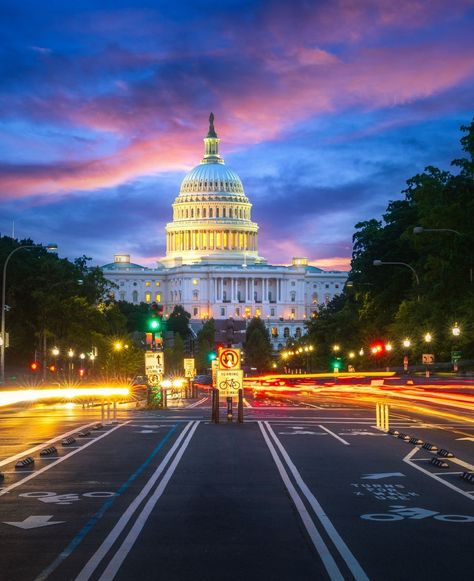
240	409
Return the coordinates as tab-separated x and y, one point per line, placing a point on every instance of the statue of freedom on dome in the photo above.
212	131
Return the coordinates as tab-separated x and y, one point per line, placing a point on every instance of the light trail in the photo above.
68	393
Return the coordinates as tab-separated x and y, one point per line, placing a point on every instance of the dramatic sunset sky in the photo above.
324	109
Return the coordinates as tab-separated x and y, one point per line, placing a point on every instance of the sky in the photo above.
324	109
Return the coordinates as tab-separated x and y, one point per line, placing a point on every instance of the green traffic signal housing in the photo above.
212	355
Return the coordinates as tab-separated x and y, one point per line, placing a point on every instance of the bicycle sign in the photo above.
229	382
399	512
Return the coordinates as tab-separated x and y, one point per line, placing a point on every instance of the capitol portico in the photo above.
212	266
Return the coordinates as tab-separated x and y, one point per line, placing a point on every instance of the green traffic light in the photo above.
154	324
212	356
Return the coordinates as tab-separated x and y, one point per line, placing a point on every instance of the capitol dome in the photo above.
211	214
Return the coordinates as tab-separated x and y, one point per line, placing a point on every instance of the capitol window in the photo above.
210	212
195	281
147	297
195	295
286	332
147	283
196	311
217	212
157	283
274	331
237	312
293	296
158	297
135	296
272	312
222	311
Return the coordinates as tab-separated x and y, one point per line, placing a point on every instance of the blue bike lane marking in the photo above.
67	552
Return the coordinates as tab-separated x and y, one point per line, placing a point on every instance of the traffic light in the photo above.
212	355
155	324
34	366
52	368
336	363
377	349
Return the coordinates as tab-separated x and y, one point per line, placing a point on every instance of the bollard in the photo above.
240	408
114	418
216	404
377	414
108	412
102	414
229	409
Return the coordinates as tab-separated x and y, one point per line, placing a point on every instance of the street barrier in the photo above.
24	462
49	451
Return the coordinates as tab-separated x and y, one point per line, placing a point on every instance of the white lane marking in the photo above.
58	460
106	545
45	444
318	542
445	473
195	404
34	522
408	460
116	562
246	403
334	435
344	551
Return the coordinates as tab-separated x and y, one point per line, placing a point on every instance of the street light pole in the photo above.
382	263
4	286
421	229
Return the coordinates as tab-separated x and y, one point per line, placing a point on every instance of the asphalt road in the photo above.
306	488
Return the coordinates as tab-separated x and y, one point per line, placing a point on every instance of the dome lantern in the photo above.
211	144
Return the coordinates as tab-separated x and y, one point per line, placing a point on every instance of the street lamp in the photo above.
428	337
336	348
50	248
406	343
421	229
382	263
456	331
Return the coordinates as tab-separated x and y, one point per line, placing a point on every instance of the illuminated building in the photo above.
212	265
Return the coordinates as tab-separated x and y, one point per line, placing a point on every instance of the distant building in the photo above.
212	266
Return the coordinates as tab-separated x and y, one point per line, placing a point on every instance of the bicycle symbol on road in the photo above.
399	512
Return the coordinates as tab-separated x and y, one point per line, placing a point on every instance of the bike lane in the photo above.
50	523
225	514
395	519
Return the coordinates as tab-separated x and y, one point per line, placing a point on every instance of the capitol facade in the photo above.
212	265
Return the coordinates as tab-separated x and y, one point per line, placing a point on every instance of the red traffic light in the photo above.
34	366
52	368
377	349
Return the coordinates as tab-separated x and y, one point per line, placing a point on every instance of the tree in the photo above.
258	347
178	321
174	356
206	339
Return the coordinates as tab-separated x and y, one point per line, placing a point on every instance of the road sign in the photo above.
214	368
154	366
455	356
229	381
229	359
427	358
189	368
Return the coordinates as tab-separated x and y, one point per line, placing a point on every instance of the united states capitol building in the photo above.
212	265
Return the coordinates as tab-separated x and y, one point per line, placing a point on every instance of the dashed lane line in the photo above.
58	461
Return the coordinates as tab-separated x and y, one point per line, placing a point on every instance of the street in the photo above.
306	488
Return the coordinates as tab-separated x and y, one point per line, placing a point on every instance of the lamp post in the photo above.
49	247
455	355
382	263
421	230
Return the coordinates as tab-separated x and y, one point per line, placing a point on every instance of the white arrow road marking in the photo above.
34	522
379	475
470	439
145	432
